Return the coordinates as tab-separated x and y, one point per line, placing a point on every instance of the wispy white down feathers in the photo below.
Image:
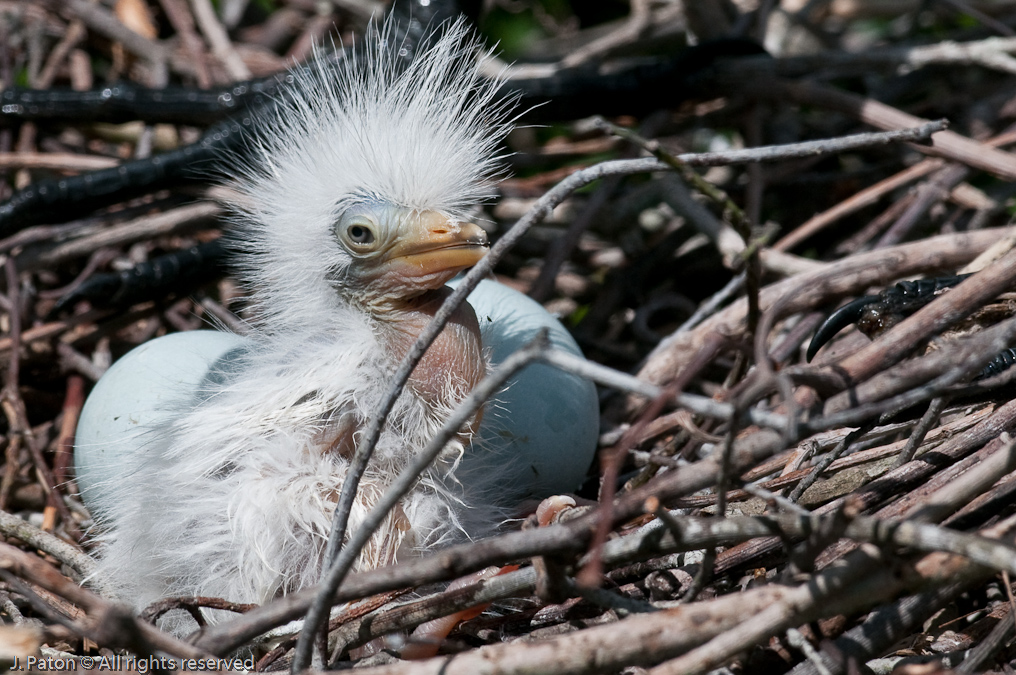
422	135
233	498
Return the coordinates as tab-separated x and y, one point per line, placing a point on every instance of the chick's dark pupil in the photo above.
360	234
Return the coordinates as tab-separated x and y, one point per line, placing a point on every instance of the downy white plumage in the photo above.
351	219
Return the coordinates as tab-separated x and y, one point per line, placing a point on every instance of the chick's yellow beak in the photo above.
433	244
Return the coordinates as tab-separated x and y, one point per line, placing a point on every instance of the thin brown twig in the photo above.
219	40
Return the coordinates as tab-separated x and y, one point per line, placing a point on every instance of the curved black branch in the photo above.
126	101
57	200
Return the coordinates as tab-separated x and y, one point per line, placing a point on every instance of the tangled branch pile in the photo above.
752	511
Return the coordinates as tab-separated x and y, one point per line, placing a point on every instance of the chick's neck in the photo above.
453	365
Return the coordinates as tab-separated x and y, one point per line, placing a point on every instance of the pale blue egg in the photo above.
140	390
541	430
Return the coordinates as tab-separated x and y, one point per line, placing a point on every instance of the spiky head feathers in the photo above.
370	131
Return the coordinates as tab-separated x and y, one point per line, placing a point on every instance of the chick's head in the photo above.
364	176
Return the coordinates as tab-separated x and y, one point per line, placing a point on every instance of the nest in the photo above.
751	512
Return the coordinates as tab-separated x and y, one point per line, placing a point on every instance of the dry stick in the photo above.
112	625
882	628
219	40
773	499
562	246
949	491
839	590
990	53
611	460
17	416
75	33
154	611
73	557
313	33
928	420
183	23
349	614
827	459
946	144
889	624
1000	635
73	360
104	22
640	639
738	219
14	409
858	458
797	640
944	493
894	482
871	195
174	221
699	405
891	484
876	226
408	615
38	234
993	500
677	533
928	194
696	532
711	303
856	202
48	330
74	401
639	21
984	19
56	161
11	379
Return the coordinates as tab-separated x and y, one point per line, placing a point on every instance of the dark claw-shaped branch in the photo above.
845	316
875	314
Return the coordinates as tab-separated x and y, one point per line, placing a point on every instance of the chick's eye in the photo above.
358	234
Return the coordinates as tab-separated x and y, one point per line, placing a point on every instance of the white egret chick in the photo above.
213	462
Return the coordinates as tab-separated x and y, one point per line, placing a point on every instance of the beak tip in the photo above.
475	235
